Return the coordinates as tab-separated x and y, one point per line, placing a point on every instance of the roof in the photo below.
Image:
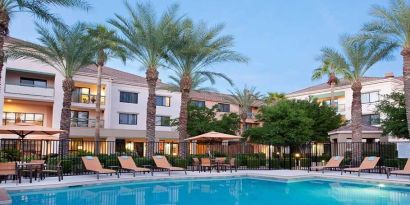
217	97
342	82
118	76
210	96
348	129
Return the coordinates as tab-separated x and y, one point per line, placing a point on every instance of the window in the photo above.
327	102
370	97
128	119
79	118
33	82
81	95
11	118
223	107
163	101
163	121
198	103
372	119
128	97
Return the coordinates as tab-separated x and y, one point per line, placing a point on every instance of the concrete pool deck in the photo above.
283	175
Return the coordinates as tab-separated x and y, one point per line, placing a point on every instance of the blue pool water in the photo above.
235	191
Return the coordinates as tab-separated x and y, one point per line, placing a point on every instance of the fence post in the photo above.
290	157
381	159
270	157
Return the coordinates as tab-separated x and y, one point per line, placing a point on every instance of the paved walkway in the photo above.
51	182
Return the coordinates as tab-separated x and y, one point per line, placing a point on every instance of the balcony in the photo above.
90	123
251	115
23	91
86	101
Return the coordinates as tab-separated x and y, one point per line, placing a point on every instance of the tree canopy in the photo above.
202	120
294	122
394	108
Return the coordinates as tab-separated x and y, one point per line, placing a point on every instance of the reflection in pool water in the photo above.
235	191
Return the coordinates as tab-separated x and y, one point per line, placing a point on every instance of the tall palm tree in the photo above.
194	50
245	98
197	83
67	50
106	45
274	97
147	38
329	70
393	22
359	55
39	9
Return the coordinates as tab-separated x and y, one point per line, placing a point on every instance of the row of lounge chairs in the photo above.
369	163
92	164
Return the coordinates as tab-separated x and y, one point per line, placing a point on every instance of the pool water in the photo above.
227	191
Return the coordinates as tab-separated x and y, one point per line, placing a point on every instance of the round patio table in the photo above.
28	166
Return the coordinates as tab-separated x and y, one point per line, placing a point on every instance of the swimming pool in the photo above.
227	191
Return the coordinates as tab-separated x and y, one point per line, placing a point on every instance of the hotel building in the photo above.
32	92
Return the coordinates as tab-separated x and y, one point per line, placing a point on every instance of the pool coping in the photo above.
5	198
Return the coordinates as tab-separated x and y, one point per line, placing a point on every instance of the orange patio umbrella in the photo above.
24	129
214	136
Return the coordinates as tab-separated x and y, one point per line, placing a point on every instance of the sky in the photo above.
282	38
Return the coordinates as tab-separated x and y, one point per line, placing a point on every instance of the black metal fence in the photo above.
248	155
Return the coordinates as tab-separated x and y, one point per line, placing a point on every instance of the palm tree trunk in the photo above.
4	30
332	93
152	78
406	80
185	85
68	88
98	110
356	115
243	119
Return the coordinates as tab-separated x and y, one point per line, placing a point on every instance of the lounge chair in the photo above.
128	163
404	171
8	169
162	163
368	163
93	164
334	162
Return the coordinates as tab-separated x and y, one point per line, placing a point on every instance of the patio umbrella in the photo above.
24	129
213	137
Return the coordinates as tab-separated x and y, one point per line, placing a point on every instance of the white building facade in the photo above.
374	89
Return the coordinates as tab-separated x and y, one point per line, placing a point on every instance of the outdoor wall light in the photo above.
277	153
297	155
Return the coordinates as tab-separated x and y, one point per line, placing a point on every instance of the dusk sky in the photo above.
281	38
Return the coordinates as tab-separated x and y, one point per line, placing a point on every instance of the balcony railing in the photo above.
23	89
79	122
87	99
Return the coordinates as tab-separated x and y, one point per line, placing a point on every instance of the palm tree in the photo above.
147	37
245	98
329	70
39	9
274	97
197	83
195	49
358	56
67	50
393	23
106	45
